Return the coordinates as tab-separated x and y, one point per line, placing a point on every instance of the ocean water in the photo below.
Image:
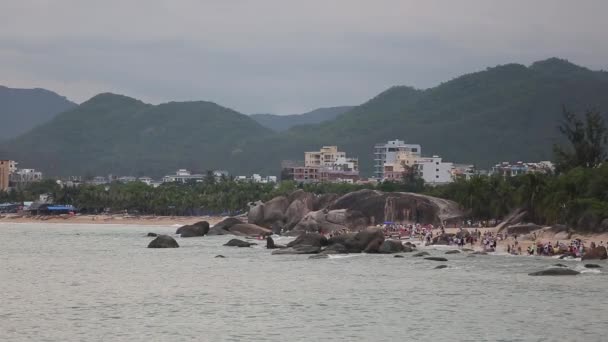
101	283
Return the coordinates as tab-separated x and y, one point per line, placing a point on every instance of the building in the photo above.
386	153
6	168
256	178
183	176
326	156
507	169
25	176
434	171
126	179
327	165
146	180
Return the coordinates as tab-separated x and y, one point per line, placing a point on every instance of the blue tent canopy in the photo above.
61	208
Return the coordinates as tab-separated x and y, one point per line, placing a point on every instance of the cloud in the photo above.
282	56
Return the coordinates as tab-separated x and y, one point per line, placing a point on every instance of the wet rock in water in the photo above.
420	254
220	256
391	246
398	256
319	256
237	243
479	253
365	240
441	267
310	239
374	246
558	271
336	248
221	228
247	229
453	252
407	249
163	241
152	235
270	243
467	250
297	250
567	255
560	265
592	266
436	259
192	230
597	253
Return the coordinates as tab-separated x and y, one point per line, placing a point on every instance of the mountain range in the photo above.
281	123
23	109
504	113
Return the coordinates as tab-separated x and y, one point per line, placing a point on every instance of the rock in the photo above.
559	265
407	249
377	207
270	243
152	235
323	201
420	254
360	242
256	213
555	272
274	211
597	253
442	239
592	266
466	250
391	246
398	256
310	239
330	222
297	250
453	252
220	256
248	229
436	259
277	228
522	229
480	253
222	227
163	241
340	239
374	246
296	212
515	217
336	248
237	243
441	267
301	195
319	256
197	229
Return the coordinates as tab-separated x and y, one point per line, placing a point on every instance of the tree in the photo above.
587	139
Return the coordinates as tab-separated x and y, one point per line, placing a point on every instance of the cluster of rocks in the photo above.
302	212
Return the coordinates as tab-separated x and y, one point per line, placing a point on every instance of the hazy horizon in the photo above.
270	57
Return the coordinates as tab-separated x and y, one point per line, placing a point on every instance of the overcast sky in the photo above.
282	56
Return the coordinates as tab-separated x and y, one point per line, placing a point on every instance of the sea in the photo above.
100	283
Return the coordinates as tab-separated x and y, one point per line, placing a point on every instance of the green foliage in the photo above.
587	140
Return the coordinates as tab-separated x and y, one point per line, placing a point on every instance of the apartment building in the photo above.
386	153
5	172
434	170
327	165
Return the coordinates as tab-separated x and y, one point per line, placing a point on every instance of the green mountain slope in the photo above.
23	109
117	134
285	122
505	113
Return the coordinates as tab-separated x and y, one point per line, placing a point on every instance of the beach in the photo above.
110	219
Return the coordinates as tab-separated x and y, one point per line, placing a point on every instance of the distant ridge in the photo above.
504	113
23	109
285	122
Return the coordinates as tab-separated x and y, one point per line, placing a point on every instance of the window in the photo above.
414	149
437	170
437	176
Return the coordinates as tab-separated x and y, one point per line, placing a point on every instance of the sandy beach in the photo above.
110	219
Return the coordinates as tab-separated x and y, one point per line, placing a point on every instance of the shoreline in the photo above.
111	219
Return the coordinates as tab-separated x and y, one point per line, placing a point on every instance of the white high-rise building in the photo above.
386	153
434	171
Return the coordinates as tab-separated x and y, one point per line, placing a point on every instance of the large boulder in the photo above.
196	229
361	240
301	195
336	248
557	271
296	212
298	250
391	246
323	201
256	213
238	243
248	229
340	239
597	253
163	241
378	207
222	227
310	239
374	246
521	229
442	239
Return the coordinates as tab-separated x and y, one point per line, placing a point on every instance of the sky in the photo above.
282	56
